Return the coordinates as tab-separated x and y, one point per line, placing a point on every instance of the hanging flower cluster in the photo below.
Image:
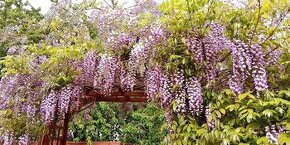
273	131
194	91
248	61
206	49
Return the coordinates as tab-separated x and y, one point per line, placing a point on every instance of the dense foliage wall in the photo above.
129	123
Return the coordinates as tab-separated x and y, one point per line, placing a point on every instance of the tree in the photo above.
16	17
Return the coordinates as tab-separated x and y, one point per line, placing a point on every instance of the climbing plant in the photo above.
219	70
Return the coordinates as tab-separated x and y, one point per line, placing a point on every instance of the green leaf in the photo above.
283	101
286	92
262	141
232	107
267	113
284	138
243	116
250	117
228	92
183	61
280	110
244	111
241	97
174	57
226	142
219	115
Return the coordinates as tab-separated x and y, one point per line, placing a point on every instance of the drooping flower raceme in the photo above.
258	68
49	105
127	80
273	131
88	69
273	56
247	61
194	92
106	73
205	49
65	95
239	59
153	82
166	94
180	92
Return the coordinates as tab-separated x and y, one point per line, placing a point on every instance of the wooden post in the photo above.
45	139
65	128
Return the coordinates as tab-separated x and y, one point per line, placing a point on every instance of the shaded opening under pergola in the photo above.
57	135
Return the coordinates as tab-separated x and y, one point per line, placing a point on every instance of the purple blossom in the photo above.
194	91
166	94
210	124
258	69
273	56
88	69
48	106
180	94
127	80
153	81
24	140
273	131
106	73
65	96
195	46
206	49
181	101
8	138
247	60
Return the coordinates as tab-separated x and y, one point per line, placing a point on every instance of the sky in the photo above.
45	4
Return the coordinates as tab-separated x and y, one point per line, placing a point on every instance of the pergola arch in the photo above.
57	135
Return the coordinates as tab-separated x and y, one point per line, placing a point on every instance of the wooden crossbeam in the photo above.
116	99
131	96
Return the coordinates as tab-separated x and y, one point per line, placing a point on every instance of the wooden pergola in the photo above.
57	134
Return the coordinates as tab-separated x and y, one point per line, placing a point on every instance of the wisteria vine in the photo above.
130	56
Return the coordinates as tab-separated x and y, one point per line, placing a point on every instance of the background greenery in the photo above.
129	123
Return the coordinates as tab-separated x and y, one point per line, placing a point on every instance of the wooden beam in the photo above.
115	99
97	93
117	96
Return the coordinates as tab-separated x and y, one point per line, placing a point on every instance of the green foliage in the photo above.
106	122
18	125
143	126
100	124
242	119
235	122
56	69
16	20
16	12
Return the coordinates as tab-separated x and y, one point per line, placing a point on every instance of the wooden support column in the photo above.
47	138
44	140
65	128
